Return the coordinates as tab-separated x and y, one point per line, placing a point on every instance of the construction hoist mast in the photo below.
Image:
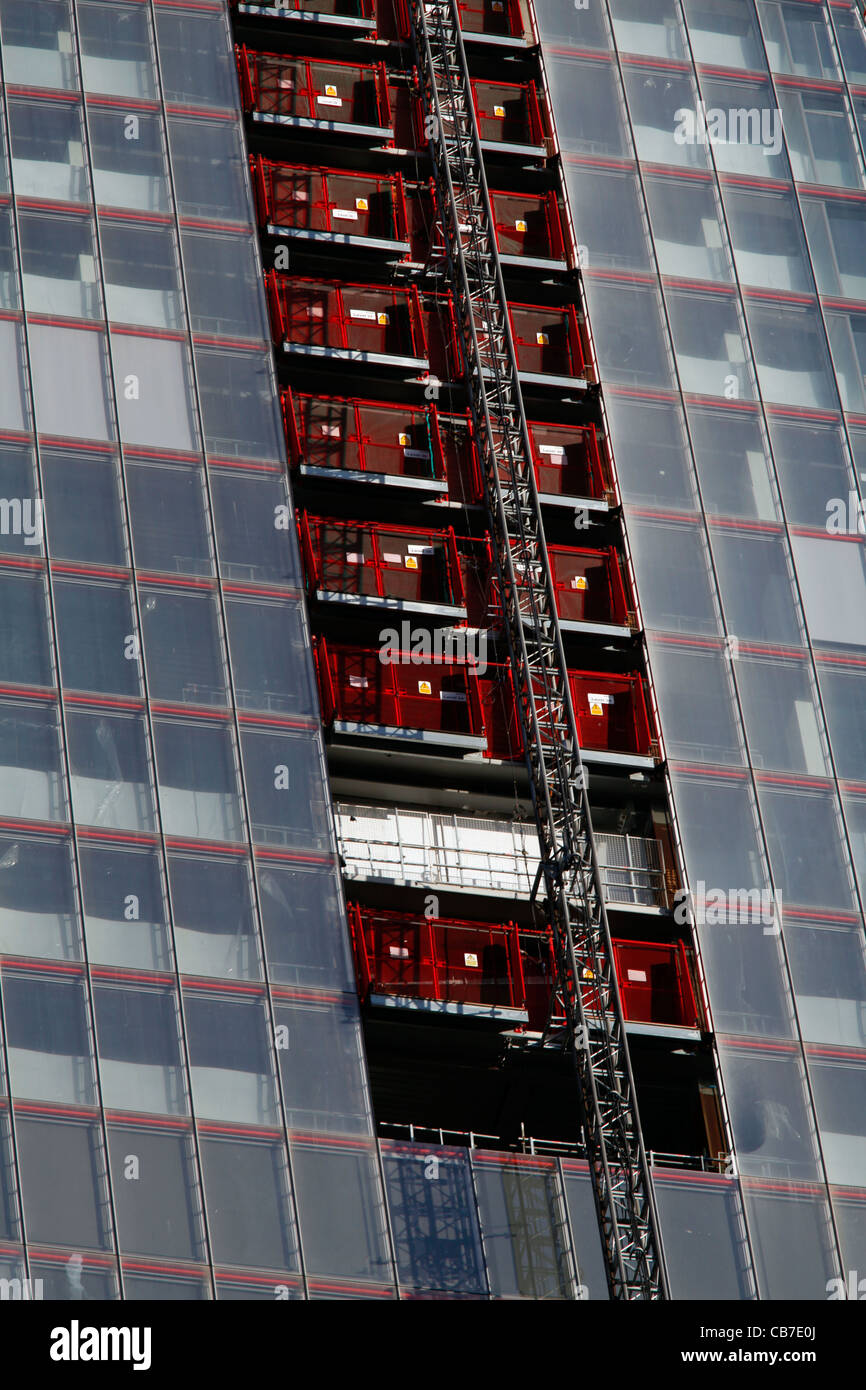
586	981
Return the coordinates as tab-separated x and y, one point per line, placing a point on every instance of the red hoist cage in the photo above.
437	696
509	113
444	959
547	341
569	463
588	585
501	18
340	319
308	89
350	9
330	201
364	437
370	560
528	226
611	713
655	983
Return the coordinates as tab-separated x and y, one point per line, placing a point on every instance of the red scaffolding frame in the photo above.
569	463
365	437
612	713
400	690
509	113
375	560
330	317
446	959
588	585
337	202
313	89
528	226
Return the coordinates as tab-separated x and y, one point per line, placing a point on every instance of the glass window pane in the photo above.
733	463
25	656
183	647
652	452
38	47
648	26
672	564
754	574
138	1043
47	151
64	1194
804	838
828	971
769	249
558	19
124	907
155	1193
14	413
70	1280
230	1052
8	264
698	1217
724	33
21	507
195	58
142	283
583	1221
38	915
839	1087
116	49
792	1243
198	780
797	38
836	230
596	124
814	470
774	1129
197	772
663	107
96	635
248	1204
154	392
238	404
58	265
341	1211
322	1066
31	780
168	518
224	285
286	794
848	342
255	532
48	1039
610	224
305	935
688	236
82	504
523	1220
852	44
696	698
631	337
110	771
68	366
214	925
832	575
820	139
128	160
744	124
711	353
210	175
719	825
434	1220
270	646
843	690
784	728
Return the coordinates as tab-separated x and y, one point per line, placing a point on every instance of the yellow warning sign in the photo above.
403	439
330	90
411	562
470	959
499	110
596	709
425	688
362	205
520	225
542	339
382	318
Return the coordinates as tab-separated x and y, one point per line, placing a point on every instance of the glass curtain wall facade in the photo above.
184	1098
714	155
176	981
